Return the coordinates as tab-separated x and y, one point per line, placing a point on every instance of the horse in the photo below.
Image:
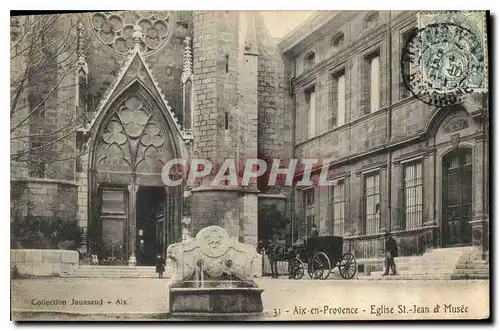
275	252
272	252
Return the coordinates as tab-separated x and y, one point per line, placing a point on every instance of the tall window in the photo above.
374	86
372	203
311	108
338	208
403	90
310	208
338	100
413	190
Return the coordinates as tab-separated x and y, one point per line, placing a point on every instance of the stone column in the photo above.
93	235
396	202
384	202
132	191
429	193
248	218
479	222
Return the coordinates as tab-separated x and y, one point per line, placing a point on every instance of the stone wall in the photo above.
216	207
44	122
369	142
215	64
43	262
44	197
225	89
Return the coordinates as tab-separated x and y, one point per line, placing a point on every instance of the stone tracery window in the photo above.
115	29
132	140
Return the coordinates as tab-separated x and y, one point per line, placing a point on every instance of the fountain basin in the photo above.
215	300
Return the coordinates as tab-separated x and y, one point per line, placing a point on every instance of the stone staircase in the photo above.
440	263
94	271
472	266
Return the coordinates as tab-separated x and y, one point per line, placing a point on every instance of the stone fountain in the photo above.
213	274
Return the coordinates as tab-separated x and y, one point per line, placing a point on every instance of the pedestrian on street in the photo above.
272	252
160	265
391	251
313	232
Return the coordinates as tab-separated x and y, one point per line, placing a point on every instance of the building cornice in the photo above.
346	126
358	46
304	30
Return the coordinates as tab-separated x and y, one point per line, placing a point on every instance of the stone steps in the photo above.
442	263
86	271
406	277
471	266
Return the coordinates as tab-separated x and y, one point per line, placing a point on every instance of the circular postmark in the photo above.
442	63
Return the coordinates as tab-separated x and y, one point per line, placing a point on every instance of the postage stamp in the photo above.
447	57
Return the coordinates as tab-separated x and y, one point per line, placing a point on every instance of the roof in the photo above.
305	29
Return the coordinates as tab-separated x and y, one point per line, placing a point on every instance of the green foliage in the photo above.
41	232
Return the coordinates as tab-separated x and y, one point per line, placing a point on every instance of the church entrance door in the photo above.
150	225
457	198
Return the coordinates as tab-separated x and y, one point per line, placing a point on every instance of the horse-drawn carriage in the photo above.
320	255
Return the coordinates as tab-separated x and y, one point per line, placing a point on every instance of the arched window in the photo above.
370	20
338	41
309	60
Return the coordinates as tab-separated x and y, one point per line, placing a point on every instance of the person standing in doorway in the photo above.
160	265
391	251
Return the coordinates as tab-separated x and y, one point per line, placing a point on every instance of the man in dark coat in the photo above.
313	232
160	265
391	251
272	251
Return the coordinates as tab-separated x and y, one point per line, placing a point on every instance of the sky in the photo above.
280	23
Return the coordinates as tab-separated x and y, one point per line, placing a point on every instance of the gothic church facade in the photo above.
152	87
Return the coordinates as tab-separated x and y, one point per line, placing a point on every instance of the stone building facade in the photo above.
398	164
156	86
152	87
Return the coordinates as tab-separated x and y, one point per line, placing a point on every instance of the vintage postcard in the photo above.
250	165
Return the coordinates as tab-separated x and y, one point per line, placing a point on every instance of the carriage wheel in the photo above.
309	268
295	268
319	266
347	266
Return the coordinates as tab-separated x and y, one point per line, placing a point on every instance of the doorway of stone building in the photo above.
457	198
149	224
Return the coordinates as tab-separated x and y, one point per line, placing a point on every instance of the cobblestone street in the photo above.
283	299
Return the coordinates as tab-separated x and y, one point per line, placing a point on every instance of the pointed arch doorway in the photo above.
134	216
457	197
